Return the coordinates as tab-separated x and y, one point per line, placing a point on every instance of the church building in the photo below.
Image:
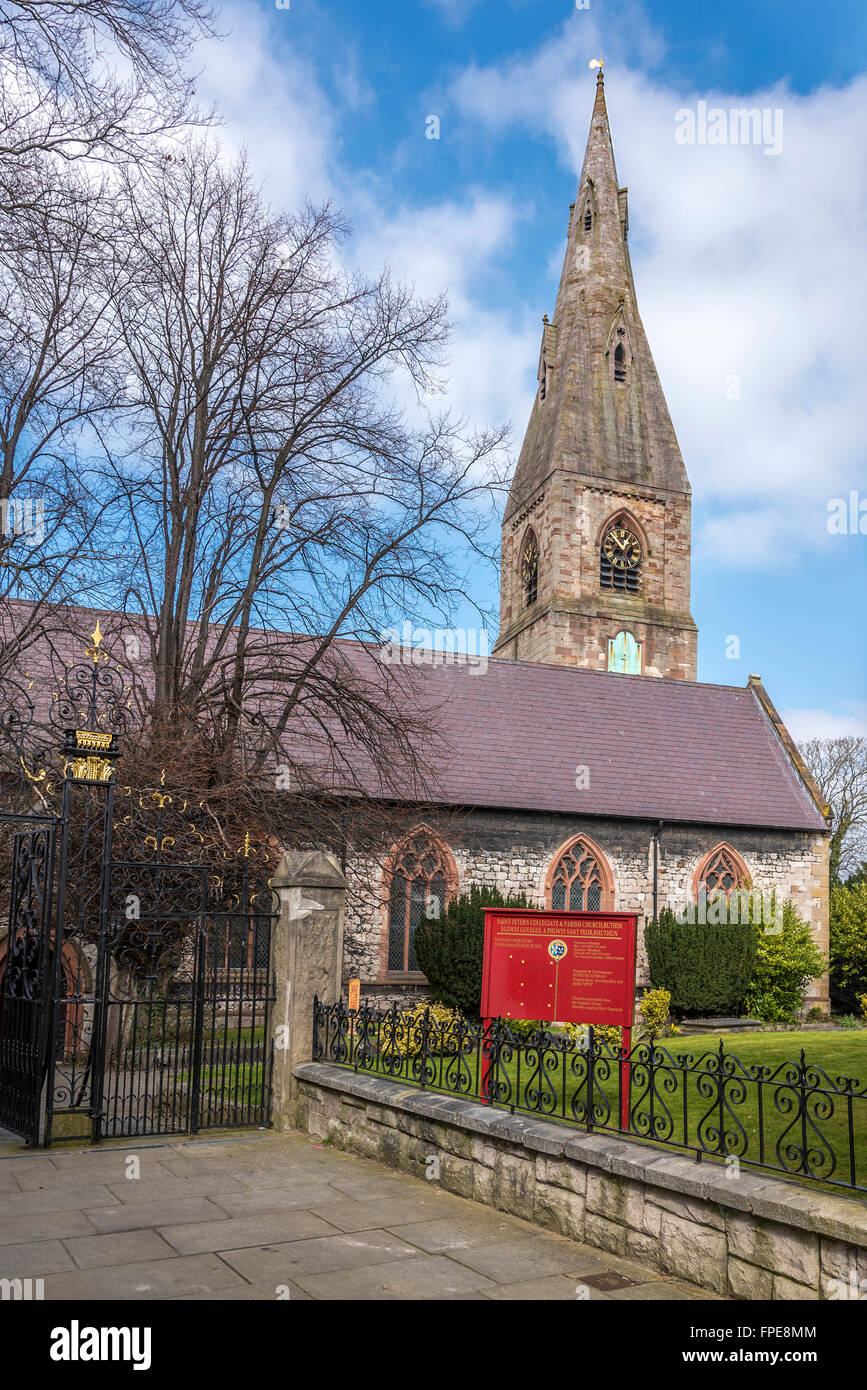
585	765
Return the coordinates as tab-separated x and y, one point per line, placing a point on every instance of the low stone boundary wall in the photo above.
749	1237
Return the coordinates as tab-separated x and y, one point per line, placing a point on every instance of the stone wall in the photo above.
514	852
573	619
752	1237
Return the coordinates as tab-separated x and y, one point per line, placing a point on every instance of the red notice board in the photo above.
572	967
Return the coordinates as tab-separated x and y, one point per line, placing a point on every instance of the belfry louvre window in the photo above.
577	882
420	887
588	216
619	363
530	569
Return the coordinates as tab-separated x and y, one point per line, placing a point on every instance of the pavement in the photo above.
259	1215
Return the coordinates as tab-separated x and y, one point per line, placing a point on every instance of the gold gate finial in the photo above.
96	638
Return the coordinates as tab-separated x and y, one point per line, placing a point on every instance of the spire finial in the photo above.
600	64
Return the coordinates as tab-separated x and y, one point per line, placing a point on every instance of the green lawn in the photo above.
229	1085
180	1034
760	1117
837	1058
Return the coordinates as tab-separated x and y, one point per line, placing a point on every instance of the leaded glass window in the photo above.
576	885
722	873
418	889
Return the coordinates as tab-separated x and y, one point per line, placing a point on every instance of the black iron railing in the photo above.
789	1118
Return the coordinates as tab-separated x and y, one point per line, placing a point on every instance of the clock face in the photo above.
622	548
528	562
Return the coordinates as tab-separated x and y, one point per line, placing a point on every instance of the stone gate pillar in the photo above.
306	959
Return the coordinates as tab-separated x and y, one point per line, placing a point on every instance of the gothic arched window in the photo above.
621	554
420	881
580	880
619	363
721	872
530	568
588	216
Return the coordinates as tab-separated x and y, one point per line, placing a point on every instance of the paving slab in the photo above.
364	1189
31	1259
277	1216
508	1262
558	1288
130	1216
463	1232
169	1187
258	1293
53	1199
665	1290
367	1216
124	1248
43	1225
81	1175
323	1255
425	1277
236	1233
273	1199
191	1274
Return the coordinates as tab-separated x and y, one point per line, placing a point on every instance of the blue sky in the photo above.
749	266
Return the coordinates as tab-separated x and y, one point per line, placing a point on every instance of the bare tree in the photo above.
839	766
94	79
56	380
276	497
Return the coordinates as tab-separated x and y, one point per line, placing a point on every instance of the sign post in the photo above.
564	967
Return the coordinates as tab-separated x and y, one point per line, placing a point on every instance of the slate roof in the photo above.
511	734
515	733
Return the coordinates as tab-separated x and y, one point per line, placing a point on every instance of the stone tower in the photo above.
596	533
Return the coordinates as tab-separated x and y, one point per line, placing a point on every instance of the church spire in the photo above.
595	342
600	429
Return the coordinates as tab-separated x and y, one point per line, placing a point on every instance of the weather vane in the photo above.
597	63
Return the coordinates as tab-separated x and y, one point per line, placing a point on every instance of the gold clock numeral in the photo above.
622	548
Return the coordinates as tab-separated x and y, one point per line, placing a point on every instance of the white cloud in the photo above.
448	246
271	102
748	267
274	104
804	724
454	12
748	270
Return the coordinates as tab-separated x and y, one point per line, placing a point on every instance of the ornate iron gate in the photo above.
136	986
25	989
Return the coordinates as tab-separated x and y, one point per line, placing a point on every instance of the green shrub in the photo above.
705	966
609	1033
523	1028
847	942
786	961
655	1010
449	949
407	1038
